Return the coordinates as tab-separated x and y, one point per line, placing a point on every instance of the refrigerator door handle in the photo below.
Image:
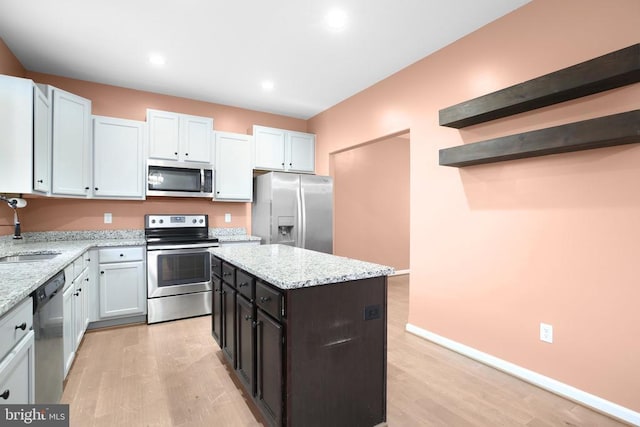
302	218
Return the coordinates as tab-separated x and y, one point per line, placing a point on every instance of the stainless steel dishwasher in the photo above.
47	326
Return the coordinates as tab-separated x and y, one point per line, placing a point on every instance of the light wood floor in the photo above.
171	374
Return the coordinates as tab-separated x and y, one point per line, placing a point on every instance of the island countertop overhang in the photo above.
289	267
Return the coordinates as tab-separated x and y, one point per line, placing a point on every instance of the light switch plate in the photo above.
108	218
227	217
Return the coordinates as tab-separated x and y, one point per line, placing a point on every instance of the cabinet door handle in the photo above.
265	299
247	317
5	394
77	293
40	181
243	284
22	326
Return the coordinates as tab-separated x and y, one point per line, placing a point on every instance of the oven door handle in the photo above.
182	246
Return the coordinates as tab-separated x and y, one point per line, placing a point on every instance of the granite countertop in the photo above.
18	280
289	268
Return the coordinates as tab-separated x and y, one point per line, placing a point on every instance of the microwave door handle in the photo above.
201	179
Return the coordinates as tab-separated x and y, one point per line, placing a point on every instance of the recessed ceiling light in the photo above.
336	19
267	85
156	59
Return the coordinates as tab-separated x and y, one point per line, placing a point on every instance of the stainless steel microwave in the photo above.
179	179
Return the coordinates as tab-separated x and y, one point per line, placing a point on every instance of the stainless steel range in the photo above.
178	266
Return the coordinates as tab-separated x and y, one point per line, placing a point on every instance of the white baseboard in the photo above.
401	272
554	386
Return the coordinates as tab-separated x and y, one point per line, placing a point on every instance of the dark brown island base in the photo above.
304	332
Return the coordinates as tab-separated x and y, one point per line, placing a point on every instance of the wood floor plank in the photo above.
172	375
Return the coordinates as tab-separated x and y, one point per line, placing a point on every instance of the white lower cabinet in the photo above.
68	310
17	373
123	286
75	307
17	369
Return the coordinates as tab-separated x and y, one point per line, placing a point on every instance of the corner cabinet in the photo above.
118	158
295	363
284	150
71	143
175	136
25	137
233	167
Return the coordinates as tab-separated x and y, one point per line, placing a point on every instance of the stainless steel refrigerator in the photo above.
293	209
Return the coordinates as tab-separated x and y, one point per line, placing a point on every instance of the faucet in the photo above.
13	204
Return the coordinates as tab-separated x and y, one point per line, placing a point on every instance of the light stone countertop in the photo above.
18	280
289	268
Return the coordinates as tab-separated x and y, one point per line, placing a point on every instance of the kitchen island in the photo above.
304	333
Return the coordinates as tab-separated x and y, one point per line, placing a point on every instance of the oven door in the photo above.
178	271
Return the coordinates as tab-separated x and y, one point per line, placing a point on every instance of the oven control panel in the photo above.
176	221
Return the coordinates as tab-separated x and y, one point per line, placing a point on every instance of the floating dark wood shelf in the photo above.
618	129
609	71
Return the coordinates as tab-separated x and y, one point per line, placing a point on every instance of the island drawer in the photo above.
229	274
216	266
269	300
245	285
14	325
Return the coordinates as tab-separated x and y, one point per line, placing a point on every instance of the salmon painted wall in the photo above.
9	64
498	248
62	214
371	202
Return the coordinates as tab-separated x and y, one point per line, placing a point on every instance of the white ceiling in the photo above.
221	50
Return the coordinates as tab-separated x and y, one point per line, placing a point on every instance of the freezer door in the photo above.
316	195
285	213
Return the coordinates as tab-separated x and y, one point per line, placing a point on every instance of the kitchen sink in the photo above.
39	256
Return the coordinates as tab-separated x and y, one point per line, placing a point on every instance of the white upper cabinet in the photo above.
175	136
25	139
233	167
71	144
300	152
284	150
41	142
269	148
118	158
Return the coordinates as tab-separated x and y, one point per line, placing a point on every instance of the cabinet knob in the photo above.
86	188
186	154
95	188
121	254
76	293
40	181
5	394
87	279
22	326
265	299
243	284
175	153
247	317
282	164
79	290
102	272
290	164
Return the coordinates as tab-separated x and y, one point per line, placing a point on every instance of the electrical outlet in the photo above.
108	218
227	217
546	333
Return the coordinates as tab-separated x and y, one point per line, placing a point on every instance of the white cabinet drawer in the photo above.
121	254
14	325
